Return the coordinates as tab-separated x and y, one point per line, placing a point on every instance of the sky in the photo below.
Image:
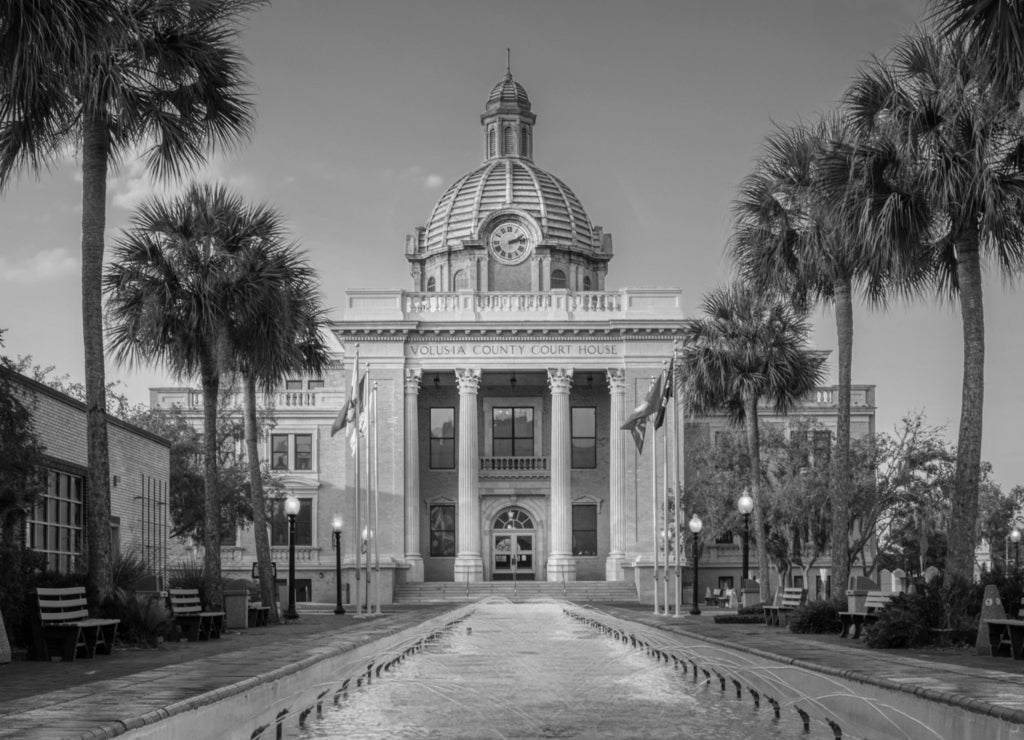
652	112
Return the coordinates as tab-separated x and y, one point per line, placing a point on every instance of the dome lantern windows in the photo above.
558	281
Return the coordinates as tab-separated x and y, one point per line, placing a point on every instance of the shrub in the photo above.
752	610
739	618
187	574
19	567
817	617
143	617
899	626
128	568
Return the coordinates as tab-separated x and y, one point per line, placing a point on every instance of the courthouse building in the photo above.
503	375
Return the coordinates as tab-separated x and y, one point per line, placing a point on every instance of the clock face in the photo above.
510	242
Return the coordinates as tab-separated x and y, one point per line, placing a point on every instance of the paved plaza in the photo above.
107	696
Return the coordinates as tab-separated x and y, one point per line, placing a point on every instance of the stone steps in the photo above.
579	591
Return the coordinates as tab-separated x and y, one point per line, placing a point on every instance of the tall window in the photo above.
557	280
492	142
512	431
303	524
291	451
442	438
524	142
431	285
586	283
55	526
442	531
584	529
460	281
509	143
584	437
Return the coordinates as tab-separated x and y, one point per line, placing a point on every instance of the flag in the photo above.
666	394
349	409
637	421
358	429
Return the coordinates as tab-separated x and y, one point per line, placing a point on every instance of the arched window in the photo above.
557	280
509	141
586	282
492	142
513	518
524	142
460	281
431	285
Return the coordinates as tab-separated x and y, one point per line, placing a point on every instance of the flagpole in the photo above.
664	510
355	431
369	482
376	505
676	486
654	510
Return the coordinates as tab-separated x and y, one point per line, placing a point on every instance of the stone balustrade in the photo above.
303	554
514	467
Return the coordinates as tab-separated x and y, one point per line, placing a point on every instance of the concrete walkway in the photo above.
106	696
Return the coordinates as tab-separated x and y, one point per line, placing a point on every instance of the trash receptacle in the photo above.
236	605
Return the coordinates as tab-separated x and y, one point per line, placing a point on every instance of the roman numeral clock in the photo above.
510	242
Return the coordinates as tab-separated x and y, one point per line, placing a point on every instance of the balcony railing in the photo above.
293	400
514	467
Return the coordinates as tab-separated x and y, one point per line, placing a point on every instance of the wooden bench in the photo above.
712	597
874	602
188	612
65	629
791	598
259	615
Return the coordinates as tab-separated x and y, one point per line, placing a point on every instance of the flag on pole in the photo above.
359	428
636	423
666	394
349	409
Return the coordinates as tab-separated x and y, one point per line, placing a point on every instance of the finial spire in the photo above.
508	62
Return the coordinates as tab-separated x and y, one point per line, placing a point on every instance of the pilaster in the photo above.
561	564
616	475
413	557
469	565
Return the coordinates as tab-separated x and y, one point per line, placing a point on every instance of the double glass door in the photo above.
513	555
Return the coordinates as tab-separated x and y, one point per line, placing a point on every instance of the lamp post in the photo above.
336	525
695	525
291	508
1015	539
745	505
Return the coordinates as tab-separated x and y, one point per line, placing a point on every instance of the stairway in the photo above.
578	591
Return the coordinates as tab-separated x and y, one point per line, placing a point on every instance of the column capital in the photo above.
616	380
560	379
412	380
468	379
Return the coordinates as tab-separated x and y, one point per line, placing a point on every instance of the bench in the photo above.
188	612
712	597
259	615
64	628
874	602
1005	636
790	598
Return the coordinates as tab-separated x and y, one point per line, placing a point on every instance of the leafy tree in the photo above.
958	144
747	348
117	401
993	30
105	78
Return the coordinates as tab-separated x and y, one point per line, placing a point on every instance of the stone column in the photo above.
616	476
413	556
469	565
561	564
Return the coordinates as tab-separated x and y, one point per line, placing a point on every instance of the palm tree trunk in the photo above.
211	485
95	150
843	482
259	511
754	452
960	556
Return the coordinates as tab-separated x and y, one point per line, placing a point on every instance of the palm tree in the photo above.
266	351
994	29
748	348
175	293
104	78
958	145
794	235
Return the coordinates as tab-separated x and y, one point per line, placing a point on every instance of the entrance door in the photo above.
512	546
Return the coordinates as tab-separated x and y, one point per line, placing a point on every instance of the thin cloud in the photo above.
38	267
432	182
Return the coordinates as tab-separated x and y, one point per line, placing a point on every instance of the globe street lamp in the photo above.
695	526
1015	539
291	508
336	525
745	505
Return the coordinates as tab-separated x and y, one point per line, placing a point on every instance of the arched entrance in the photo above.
512	539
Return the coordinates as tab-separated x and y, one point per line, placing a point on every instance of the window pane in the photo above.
584	453
442	530
523	423
502	447
279	451
278	525
502	423
557	280
584	529
442	423
293	385
304	523
583	422
523	447
303	451
442	454
315	385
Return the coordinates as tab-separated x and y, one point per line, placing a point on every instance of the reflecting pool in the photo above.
530	671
